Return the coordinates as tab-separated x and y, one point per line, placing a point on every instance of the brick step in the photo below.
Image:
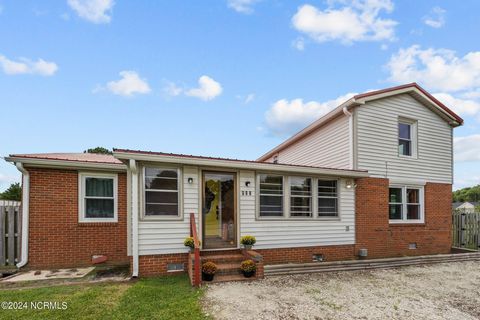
223	258
227	278
228	268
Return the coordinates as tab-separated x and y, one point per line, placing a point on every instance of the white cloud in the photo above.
172	89
96	11
438	69
207	89
467	148
299	44
129	85
26	66
461	106
242	6
358	21
286	117
436	18
249	98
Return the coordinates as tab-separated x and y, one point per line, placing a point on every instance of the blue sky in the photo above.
222	78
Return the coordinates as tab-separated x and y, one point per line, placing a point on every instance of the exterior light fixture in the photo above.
190	180
349	184
247	183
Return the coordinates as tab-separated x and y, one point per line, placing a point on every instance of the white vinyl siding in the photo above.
327	146
166	236
291	232
376	125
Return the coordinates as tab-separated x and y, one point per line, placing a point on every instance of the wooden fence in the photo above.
466	229
10	232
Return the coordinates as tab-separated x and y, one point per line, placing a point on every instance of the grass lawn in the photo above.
155	298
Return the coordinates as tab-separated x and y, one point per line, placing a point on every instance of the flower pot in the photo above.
192	250
247	246
207	277
248	274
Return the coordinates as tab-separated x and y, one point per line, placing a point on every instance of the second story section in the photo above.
401	133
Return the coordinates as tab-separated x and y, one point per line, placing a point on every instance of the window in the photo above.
271	195
300	197
406	142
405	204
327	198
161	192
97	197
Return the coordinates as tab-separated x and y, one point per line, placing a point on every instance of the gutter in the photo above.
350	135
25	213
132	167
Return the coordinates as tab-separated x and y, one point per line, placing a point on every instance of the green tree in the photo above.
14	192
470	194
100	150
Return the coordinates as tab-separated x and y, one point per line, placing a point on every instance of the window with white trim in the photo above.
271	195
97	197
405	204
300	197
406	138
161	197
327	198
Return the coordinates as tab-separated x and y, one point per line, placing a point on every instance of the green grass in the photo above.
155	298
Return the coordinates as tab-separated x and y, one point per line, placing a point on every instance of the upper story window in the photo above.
97	197
271	195
405	204
327	198
300	197
161	192
406	138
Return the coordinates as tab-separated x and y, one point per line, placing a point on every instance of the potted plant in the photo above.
248	241
248	268
188	242
208	271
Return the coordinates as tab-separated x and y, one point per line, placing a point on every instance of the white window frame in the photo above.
289	209
82	176
413	137
284	196
337	197
404	219
179	215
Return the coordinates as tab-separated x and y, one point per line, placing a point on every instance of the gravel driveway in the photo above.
440	291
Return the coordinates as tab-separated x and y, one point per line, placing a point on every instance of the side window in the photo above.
161	196
97	197
271	195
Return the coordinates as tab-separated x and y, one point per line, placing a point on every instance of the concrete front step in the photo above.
229	268
271	270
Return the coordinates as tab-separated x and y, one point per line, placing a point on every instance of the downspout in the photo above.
25	211
132	166
350	136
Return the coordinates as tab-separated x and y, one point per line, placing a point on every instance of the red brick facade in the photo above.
382	239
305	254
56	237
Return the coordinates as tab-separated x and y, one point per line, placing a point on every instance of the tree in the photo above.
471	194
99	150
14	192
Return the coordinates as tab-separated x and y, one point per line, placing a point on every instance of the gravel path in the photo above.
440	291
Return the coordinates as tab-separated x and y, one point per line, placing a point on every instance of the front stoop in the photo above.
228	263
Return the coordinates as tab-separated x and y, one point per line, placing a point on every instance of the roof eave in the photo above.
247	165
66	164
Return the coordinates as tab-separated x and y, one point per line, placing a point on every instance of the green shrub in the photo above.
188	242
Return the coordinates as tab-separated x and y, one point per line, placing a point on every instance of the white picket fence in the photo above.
10	232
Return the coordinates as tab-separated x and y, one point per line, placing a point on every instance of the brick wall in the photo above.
382	239
305	254
155	265
56	238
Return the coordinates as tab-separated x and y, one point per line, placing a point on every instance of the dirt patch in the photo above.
441	291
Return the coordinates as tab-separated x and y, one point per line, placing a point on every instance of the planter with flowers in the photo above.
208	271
248	268
248	241
188	242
